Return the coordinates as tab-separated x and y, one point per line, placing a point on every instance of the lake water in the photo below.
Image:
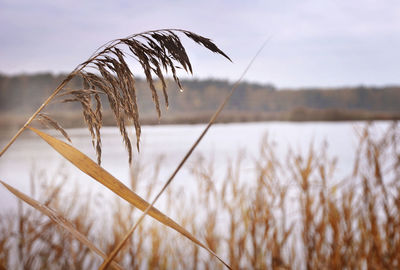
222	143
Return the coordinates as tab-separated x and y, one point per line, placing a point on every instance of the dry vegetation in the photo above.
107	73
293	214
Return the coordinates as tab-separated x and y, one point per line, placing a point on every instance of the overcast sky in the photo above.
313	43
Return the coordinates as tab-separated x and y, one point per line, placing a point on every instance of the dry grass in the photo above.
292	214
157	52
107	73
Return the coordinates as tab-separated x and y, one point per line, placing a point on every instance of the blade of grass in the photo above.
91	168
60	220
210	123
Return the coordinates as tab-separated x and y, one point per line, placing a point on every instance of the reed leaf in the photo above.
60	220
91	168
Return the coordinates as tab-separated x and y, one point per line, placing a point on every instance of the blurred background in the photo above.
312	43
303	161
324	60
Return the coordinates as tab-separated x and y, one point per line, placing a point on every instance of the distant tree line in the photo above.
21	94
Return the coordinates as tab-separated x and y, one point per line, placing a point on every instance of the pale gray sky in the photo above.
314	42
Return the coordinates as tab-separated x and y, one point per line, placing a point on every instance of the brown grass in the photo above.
292	214
107	72
154	50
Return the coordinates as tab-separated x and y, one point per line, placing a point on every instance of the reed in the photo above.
107	73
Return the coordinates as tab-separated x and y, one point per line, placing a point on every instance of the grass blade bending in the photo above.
210	123
60	220
91	168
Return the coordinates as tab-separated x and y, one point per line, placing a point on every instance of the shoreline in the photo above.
10	123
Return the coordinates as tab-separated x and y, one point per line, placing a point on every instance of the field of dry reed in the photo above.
293	215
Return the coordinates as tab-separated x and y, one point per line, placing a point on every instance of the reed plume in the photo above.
107	72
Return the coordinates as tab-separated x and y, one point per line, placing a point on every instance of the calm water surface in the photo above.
222	143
